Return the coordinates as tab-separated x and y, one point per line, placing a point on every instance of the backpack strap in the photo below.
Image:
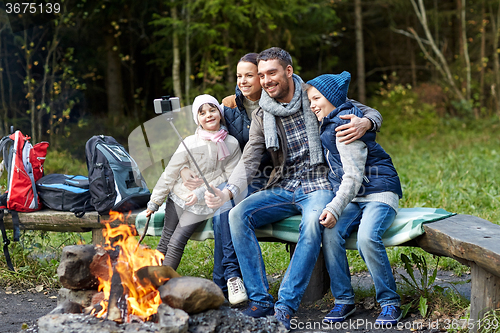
15	224
6	242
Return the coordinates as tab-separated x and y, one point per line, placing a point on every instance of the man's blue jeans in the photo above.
226	263
270	206
371	219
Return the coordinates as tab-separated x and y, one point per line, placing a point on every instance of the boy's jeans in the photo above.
373	219
271	206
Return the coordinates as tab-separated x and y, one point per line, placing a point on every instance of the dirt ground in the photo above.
20	309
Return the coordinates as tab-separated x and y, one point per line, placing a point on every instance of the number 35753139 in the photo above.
32	8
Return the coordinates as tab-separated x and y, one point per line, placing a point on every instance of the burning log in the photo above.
116	310
155	275
101	263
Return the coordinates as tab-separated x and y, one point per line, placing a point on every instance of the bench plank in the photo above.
465	238
475	242
50	220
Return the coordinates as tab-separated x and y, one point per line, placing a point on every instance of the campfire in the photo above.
125	294
122	286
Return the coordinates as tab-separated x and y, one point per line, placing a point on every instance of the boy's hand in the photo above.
190	180
327	219
354	130
192	200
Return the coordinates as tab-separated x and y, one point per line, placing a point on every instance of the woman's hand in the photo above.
190	179
354	130
327	219
192	200
149	212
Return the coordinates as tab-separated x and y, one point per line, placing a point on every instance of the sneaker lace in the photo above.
235	286
387	310
337	308
281	315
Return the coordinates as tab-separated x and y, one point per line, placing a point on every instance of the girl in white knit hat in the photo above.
216	153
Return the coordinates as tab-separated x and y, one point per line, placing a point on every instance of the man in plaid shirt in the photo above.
284	125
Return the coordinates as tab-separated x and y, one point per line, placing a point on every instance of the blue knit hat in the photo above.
333	86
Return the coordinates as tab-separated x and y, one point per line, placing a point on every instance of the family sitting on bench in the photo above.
338	178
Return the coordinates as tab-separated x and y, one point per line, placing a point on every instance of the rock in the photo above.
74	269
227	320
172	320
83	297
70	323
191	294
67	307
224	320
369	303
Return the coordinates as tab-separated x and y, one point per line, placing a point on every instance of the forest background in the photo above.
96	66
430	67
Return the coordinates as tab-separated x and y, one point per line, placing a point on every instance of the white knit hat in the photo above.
203	99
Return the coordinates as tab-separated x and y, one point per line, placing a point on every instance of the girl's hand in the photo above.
149	212
192	200
190	179
327	219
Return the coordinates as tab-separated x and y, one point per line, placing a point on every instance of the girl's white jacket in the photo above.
205	153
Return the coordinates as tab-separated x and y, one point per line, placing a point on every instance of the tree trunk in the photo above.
483	55
413	63
440	63
47	79
31	89
52	112
231	76
176	65
466	53
436	33
360	55
114	82
496	65
187	83
460	28
5	127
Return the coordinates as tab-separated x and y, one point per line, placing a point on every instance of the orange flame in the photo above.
141	301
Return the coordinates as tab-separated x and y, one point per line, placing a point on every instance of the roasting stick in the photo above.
143	233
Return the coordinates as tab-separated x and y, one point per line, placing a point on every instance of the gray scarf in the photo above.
299	102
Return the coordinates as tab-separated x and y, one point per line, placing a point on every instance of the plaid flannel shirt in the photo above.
298	170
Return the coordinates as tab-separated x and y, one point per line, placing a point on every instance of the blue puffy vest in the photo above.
380	174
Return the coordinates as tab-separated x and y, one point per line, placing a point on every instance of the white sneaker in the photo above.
236	290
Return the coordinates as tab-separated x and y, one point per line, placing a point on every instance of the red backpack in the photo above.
24	165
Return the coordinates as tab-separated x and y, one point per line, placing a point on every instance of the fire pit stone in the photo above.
191	294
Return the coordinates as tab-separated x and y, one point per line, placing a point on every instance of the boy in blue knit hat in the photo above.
367	191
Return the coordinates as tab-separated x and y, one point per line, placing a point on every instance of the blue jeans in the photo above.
270	206
226	263
371	219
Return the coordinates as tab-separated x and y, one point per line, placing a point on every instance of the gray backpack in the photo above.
115	182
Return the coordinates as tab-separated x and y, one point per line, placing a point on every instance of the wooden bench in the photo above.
468	239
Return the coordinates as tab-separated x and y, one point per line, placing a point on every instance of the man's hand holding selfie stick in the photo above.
217	200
